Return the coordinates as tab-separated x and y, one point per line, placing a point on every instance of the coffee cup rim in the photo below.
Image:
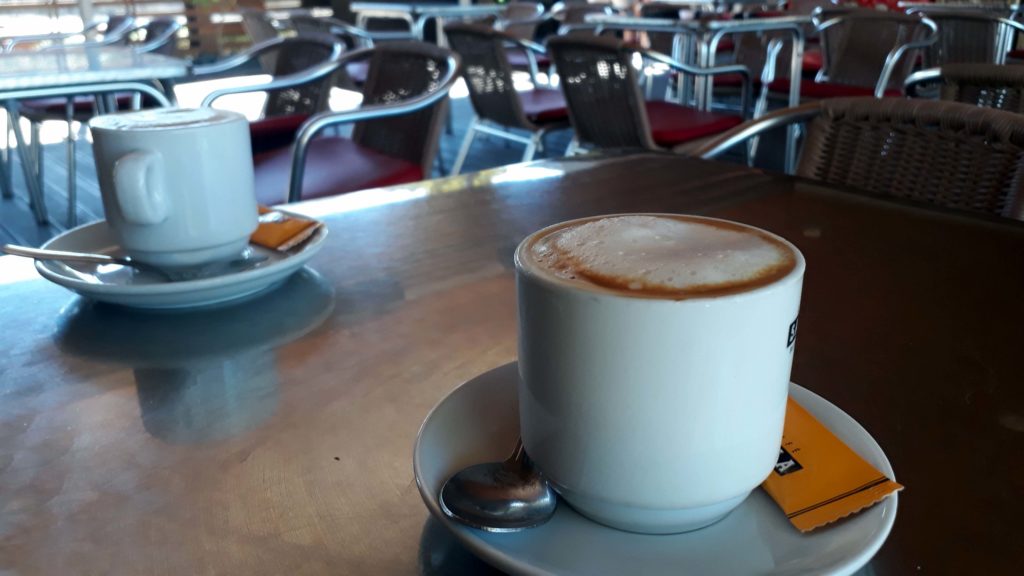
529	268
218	117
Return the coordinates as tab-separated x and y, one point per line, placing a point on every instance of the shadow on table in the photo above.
442	555
202	375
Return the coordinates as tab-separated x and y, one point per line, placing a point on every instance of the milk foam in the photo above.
163	119
663	255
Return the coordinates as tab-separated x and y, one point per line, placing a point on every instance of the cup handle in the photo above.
139	188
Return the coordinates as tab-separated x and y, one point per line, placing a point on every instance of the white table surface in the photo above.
95	65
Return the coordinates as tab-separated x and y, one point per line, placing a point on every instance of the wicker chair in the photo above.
986	85
289	102
978	35
942	153
352	36
864	52
498	108
520	20
606	105
396	132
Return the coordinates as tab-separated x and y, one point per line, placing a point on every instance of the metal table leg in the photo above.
28	165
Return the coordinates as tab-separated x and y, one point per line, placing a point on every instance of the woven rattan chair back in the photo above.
399	71
601	88
291	56
855	48
943	153
313	27
487	73
985	85
969	36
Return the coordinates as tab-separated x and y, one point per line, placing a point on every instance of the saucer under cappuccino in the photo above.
177	185
654	355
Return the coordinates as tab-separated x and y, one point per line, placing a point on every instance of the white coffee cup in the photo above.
177	184
652	400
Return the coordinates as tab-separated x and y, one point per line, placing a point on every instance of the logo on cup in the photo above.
792	333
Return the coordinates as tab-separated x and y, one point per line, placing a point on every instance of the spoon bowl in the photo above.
499	496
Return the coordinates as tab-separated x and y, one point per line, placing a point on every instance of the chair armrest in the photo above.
319	122
770	121
743	71
921	77
158	42
240	59
894	56
300	78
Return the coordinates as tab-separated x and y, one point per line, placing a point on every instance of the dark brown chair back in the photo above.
487	73
294	55
399	71
601	88
969	36
944	153
854	49
985	85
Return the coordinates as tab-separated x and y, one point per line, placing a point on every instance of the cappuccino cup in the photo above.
654	360
177	185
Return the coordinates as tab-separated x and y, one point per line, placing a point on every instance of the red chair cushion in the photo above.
812	61
276	132
812	89
543	105
333	166
673	124
734	80
517	59
1017	54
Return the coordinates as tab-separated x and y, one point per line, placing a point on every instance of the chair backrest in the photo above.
306	26
856	42
985	85
943	153
291	56
970	36
602	90
399	71
487	73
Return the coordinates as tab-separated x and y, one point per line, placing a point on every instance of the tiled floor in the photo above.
17	224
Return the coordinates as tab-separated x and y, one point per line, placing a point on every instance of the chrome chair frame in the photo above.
317	123
116	34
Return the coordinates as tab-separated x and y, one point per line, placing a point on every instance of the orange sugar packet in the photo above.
282	231
818	478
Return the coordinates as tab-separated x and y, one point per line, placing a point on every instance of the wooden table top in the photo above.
275	437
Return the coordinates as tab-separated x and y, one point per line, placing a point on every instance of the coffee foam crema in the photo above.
164	119
662	256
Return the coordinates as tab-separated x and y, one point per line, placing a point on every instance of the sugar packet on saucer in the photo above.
818	479
283	231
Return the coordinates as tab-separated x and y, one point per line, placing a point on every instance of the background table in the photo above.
72	72
276	437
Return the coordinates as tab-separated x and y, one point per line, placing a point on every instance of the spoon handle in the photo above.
40	254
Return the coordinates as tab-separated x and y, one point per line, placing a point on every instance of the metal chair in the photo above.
396	133
296	92
985	85
942	153
499	108
865	52
978	35
607	107
352	36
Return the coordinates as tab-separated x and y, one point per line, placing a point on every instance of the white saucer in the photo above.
478	422
121	285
